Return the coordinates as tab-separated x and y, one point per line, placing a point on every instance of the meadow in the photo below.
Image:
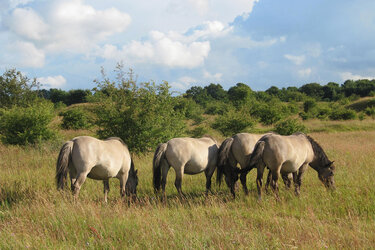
33	214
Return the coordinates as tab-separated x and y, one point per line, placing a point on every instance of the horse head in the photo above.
326	174
132	183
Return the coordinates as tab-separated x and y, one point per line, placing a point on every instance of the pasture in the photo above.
33	214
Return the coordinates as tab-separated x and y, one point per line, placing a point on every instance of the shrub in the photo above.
233	122
198	132
143	116
270	113
341	113
75	118
289	126
24	125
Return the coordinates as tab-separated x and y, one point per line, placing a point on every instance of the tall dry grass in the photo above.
33	214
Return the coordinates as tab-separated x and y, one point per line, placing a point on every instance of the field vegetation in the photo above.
33	214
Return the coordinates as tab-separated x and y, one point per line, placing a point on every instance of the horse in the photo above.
237	150
86	156
290	154
187	156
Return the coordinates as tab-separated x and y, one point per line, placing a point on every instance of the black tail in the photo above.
224	152
255	157
156	163
63	164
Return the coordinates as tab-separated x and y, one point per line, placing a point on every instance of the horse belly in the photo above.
101	173
289	167
192	168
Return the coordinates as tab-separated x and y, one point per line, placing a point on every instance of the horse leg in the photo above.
72	175
296	187
287	181
260	170
81	177
274	185
301	171
178	181
106	189
268	181
243	182
123	179
209	173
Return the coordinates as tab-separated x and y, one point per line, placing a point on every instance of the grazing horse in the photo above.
233	150
186	155
237	150
290	154
86	156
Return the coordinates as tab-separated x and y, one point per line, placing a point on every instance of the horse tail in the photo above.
224	152
255	157
156	163
62	165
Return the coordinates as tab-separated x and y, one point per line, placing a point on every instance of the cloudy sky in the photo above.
64	43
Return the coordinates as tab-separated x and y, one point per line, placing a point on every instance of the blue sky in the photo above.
64	43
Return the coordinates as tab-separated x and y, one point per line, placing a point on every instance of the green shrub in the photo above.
370	111
289	126
75	118
24	125
233	122
198	132
342	113
143	116
216	108
271	112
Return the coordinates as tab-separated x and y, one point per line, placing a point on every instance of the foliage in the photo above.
75	118
270	112
216	108
16	89
342	113
233	122
198	132
142	116
289	126
24	125
189	108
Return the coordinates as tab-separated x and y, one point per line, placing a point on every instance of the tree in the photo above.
240	94
216	91
314	90
16	89
142	116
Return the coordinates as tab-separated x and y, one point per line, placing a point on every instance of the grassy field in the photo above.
34	215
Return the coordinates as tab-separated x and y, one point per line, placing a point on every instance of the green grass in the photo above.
34	214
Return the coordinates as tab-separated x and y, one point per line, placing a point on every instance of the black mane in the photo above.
319	152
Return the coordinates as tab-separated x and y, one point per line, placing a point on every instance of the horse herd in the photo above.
288	156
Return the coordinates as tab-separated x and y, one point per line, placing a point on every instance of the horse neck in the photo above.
320	159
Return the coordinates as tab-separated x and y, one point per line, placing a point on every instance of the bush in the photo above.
289	126
198	132
233	122
341	113
142	116
24	125
271	112
75	118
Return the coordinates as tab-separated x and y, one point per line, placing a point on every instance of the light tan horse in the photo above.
187	156
290	154
86	156
237	150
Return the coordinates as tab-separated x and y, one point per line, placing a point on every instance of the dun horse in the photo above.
290	154
233	150
85	156
186	155
237	150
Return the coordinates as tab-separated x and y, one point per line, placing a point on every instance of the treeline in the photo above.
145	114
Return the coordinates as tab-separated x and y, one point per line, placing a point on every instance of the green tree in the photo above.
142	116
16	89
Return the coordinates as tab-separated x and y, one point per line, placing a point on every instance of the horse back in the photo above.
293	150
243	146
108	157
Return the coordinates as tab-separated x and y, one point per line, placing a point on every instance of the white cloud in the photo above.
298	60
350	76
25	54
69	26
52	81
172	50
183	83
212	77
304	72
